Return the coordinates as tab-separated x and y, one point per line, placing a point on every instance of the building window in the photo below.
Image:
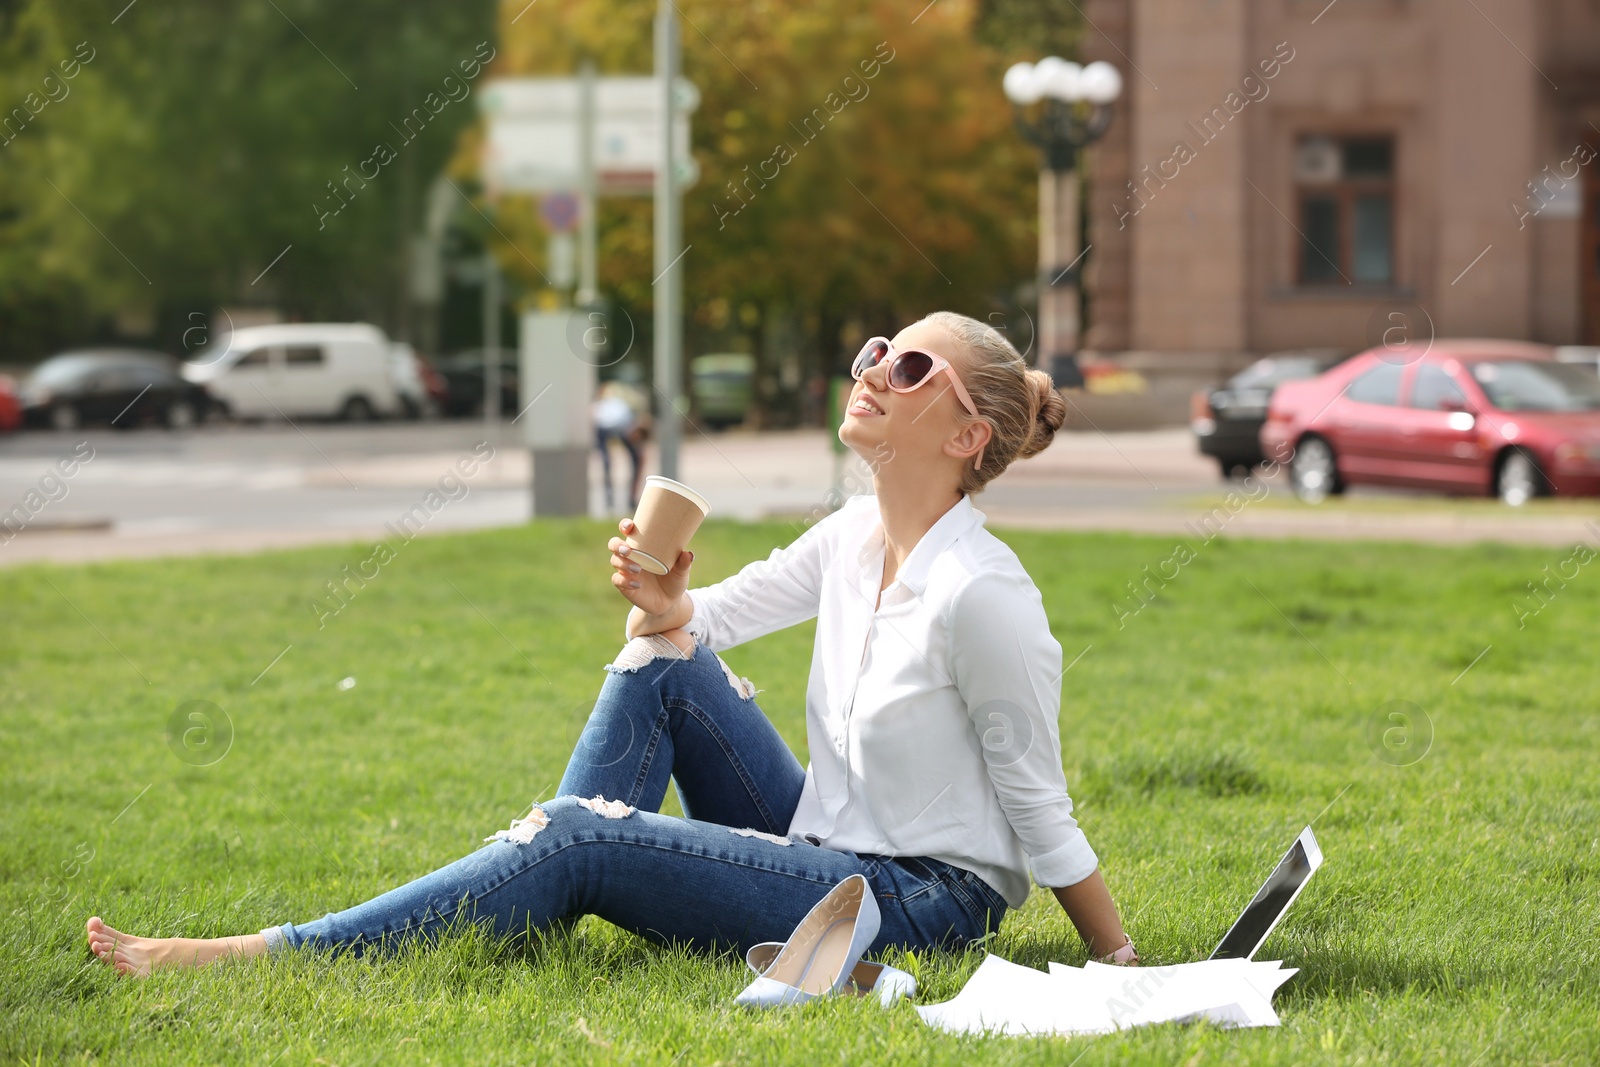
1346	192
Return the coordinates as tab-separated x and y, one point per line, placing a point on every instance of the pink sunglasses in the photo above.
910	369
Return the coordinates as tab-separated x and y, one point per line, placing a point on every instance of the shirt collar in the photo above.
961	518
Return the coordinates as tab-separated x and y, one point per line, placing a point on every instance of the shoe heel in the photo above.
823	951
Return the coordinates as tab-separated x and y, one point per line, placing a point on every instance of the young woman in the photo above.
931	719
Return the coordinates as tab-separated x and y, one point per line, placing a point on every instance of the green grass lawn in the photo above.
1454	921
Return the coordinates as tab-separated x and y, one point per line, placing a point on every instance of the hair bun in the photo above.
1049	415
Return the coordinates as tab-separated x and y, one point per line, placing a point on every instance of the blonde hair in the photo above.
1020	404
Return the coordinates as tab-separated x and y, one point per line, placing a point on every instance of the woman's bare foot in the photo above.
138	956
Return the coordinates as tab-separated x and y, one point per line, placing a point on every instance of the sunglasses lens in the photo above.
869	357
910	369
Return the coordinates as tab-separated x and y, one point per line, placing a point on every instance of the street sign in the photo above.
559	211
532	143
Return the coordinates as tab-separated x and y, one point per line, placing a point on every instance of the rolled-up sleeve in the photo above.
1008	669
768	594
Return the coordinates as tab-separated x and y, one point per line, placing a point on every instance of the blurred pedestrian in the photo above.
616	416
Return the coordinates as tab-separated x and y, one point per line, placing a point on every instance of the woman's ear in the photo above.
967	442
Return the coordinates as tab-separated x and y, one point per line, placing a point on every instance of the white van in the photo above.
406	373
300	369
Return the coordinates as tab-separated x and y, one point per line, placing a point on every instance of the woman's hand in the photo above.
653	594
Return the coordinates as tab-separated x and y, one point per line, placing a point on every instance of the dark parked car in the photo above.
463	376
1470	417
120	387
1227	420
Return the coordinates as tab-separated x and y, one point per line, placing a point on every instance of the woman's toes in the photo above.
127	965
128	955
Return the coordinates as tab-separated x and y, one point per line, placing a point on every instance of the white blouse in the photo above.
931	718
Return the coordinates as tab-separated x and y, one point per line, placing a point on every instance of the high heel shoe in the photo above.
889	983
822	952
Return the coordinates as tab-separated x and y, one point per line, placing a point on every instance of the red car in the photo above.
10	405
1466	417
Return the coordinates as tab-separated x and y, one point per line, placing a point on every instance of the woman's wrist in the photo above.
642	624
1124	956
1089	905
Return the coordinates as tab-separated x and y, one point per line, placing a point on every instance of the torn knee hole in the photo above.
522	830
610	809
762	834
743	686
642	650
685	640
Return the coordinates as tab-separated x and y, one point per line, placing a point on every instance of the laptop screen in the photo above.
1250	930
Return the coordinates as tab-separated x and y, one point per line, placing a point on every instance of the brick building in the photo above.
1297	173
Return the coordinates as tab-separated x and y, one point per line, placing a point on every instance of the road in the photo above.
243	488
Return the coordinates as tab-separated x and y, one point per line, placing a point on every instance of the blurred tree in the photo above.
196	143
856	166
1031	29
857	162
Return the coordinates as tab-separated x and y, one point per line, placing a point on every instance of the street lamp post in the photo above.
668	236
1075	110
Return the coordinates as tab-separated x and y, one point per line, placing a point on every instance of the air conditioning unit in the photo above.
1317	159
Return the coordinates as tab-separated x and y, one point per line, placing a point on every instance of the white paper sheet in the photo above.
1005	998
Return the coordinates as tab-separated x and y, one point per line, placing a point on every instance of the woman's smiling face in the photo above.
915	425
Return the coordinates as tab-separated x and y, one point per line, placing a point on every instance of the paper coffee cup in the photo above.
669	513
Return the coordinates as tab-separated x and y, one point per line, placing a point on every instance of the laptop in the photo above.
1272	900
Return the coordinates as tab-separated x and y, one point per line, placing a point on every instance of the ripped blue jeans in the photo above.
724	877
